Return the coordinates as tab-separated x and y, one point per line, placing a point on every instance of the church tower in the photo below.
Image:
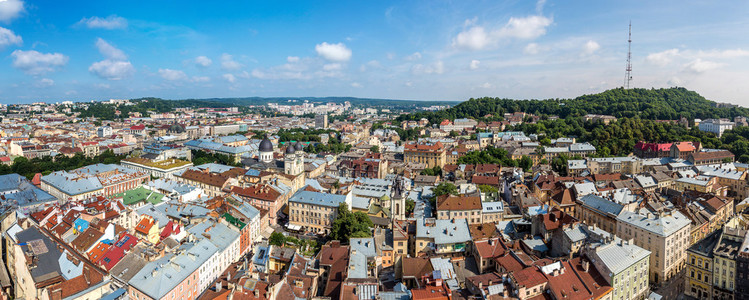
289	159
299	158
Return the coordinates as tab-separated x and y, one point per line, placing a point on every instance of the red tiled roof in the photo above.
452	202
490	248
529	277
144	226
509	263
257	191
117	251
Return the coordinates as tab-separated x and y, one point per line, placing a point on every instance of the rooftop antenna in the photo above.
628	70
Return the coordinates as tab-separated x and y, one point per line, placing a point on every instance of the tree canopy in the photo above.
350	225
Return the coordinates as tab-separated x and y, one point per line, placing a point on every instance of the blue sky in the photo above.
430	50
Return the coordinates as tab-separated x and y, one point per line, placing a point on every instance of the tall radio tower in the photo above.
628	70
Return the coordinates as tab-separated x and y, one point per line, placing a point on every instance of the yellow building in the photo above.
279	258
698	279
431	154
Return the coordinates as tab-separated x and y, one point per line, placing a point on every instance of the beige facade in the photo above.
665	235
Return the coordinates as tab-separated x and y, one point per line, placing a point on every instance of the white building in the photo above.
717	126
104	131
226	239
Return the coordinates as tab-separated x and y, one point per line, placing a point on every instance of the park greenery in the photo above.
200	157
349	224
307	247
48	164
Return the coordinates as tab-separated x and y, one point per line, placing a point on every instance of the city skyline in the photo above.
416	50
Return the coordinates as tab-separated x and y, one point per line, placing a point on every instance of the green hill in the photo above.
652	104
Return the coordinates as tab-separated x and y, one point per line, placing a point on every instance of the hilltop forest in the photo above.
643	115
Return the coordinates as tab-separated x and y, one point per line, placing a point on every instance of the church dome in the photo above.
299	146
176	128
266	146
290	149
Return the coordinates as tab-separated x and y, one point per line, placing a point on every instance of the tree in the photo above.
347	224
410	204
526	163
454	133
559	164
435	171
277	239
374	149
487	189
443	188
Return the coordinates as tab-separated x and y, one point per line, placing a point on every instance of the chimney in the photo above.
218	287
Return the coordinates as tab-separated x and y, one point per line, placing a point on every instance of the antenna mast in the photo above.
628	70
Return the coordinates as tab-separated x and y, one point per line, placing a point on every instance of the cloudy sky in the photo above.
427	50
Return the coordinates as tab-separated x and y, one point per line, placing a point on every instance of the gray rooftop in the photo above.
445	231
618	255
159	277
316	198
602	205
661	225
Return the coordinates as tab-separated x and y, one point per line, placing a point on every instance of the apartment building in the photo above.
315	211
459	207
430	154
664	234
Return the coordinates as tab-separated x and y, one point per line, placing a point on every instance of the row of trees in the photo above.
200	157
492	155
49	164
303	135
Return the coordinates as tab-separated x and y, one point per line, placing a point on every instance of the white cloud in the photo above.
110	22
531	49
292	59
109	51
112	69
203	61
333	52
731	53
229	64
201	79
36	63
525	28
305	68
474	38
230	78
102	85
356	85
115	65
7	38
172	75
475	64
478	38
486	85
10	9
540	6
590	47
662	58
414	56
332	67
372	64
701	66
46	82
435	68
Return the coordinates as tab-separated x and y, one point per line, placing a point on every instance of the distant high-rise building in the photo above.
321	121
104	131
